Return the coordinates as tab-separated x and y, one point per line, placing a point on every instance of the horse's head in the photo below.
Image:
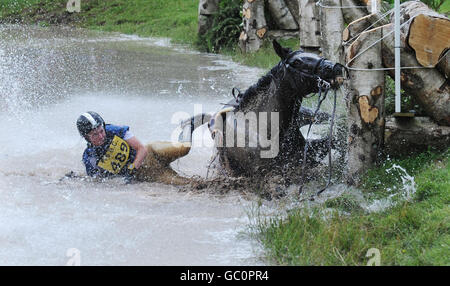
305	69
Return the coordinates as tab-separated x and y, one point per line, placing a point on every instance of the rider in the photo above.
111	149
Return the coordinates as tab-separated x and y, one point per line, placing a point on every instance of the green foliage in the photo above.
407	102
226	27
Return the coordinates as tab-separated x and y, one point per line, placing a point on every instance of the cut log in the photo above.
309	23
428	86
429	37
331	26
365	106
255	26
356	27
428	33
406	136
281	15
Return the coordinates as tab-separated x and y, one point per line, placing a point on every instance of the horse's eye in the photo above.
297	63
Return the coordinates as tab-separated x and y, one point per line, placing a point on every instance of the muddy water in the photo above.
48	76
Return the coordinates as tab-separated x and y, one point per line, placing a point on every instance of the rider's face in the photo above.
97	136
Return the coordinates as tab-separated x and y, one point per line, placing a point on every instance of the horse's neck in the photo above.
262	86
271	86
272	93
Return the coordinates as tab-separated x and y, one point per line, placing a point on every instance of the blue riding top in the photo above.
111	158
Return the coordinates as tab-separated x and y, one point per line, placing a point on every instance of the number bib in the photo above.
116	156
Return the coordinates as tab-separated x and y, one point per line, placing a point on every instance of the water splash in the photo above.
406	192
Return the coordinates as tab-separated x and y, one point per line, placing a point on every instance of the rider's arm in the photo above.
141	151
89	161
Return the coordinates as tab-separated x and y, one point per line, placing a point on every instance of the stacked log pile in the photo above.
425	40
285	15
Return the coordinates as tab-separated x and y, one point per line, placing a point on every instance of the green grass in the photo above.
445	8
413	232
175	19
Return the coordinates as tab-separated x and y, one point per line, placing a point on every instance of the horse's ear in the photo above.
281	52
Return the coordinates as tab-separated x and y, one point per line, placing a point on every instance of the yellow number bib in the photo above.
116	156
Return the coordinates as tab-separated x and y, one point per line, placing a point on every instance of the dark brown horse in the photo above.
259	130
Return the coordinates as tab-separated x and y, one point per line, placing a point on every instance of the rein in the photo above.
325	86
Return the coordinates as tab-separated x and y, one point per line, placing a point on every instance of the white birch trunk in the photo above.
309	22
255	26
331	27
282	16
365	110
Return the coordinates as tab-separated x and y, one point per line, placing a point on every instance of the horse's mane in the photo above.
268	82
262	85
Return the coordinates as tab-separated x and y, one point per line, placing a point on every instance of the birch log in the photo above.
425	33
365	110
331	26
428	86
294	9
282	16
406	136
309	23
428	33
255	26
358	26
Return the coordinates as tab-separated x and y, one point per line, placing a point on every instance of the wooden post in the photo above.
365	110
294	9
309	23
255	26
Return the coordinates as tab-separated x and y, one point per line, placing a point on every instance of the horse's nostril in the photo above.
339	80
